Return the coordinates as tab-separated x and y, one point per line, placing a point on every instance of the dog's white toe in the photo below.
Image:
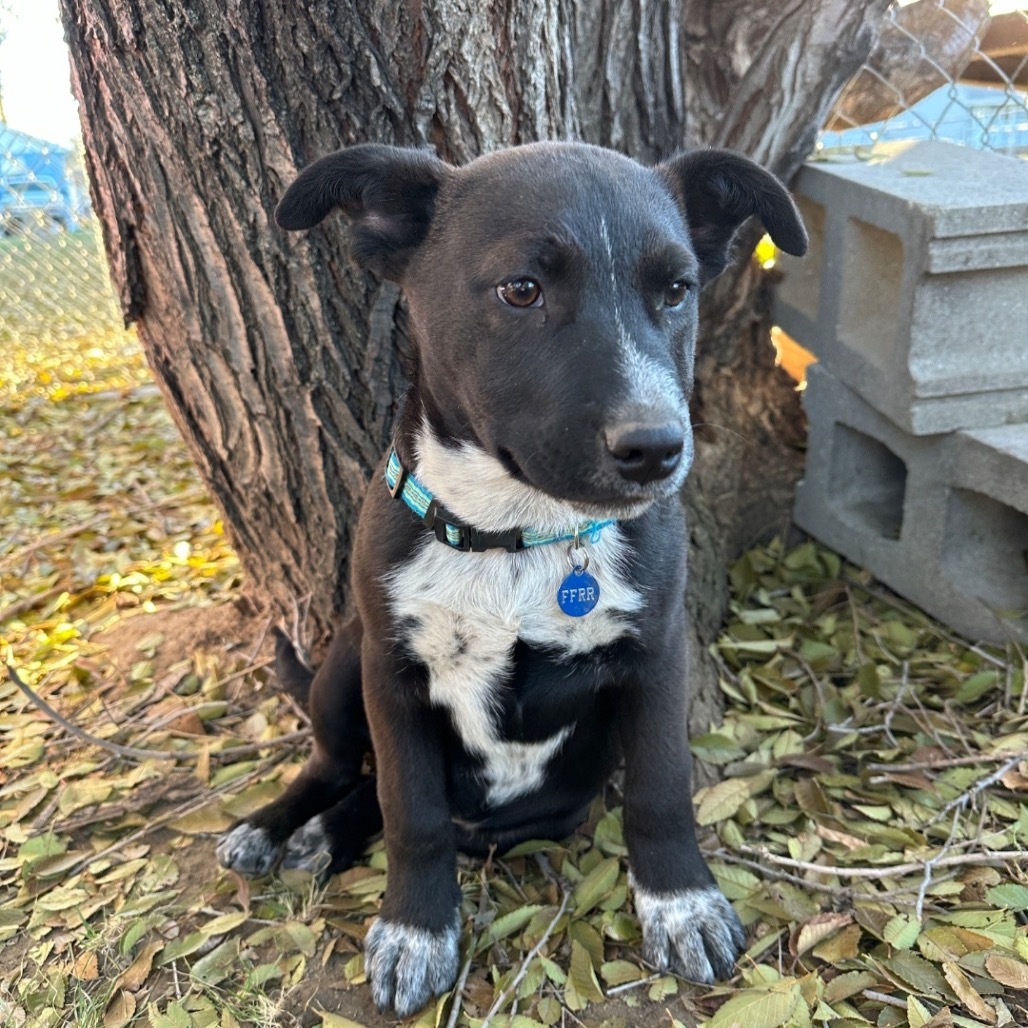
407	966
308	848
695	932
248	850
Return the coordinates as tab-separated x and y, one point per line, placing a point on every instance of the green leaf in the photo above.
901	932
582	987
721	801
216	966
507	924
662	988
1010	896
175	1016
183	947
337	1021
758	1008
618	972
595	886
973	688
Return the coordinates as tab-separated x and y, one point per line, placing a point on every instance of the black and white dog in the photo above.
520	563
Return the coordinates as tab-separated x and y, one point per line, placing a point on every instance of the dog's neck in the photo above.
478	490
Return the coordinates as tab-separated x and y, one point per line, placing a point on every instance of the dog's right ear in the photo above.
387	192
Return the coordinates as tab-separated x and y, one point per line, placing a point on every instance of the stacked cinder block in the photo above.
914	299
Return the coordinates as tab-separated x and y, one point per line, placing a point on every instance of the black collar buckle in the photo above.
511	540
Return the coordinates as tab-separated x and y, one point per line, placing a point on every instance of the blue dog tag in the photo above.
578	593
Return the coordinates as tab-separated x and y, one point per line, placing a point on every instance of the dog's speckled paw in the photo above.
407	966
308	848
695	932
248	850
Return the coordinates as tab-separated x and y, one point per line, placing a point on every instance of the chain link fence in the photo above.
951	70
954	70
53	275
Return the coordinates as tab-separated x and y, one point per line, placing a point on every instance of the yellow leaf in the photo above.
225	923
206	820
967	993
845	945
917	1014
818	928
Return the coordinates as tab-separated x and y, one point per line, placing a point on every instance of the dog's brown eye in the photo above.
521	292
675	294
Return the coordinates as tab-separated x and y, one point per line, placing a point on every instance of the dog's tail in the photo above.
294	676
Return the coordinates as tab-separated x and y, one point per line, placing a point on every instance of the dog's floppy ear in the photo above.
387	192
719	190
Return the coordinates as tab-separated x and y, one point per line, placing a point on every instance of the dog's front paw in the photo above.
308	848
407	966
248	850
694	932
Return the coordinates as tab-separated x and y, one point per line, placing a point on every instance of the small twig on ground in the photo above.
160	820
634	985
130	752
246	670
262	635
944	762
840	891
458	989
1024	686
299	637
858	644
255	747
964	799
931	863
526	963
134	752
987	858
882	998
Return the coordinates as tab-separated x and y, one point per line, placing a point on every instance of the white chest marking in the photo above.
469	609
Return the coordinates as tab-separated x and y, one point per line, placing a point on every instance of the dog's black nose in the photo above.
643	452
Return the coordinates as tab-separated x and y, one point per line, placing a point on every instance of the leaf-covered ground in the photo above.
868	828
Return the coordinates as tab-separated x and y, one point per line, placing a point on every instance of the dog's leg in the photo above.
341	739
332	841
687	923
411	951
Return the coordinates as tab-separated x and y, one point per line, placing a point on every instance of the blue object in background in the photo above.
975	116
35	185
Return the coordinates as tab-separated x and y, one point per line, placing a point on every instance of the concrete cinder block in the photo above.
915	290
942	519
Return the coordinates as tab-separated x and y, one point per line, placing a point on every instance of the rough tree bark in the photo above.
278	360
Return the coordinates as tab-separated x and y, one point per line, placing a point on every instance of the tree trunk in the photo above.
278	359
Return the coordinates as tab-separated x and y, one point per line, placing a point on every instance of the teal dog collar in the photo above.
404	486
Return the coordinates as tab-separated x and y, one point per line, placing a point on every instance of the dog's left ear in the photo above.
718	190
